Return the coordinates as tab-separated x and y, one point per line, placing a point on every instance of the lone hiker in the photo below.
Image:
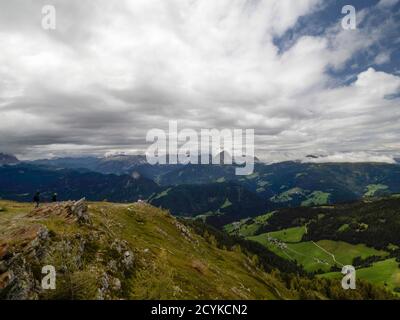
36	199
54	197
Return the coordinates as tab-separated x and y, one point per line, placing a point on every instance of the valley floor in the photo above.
321	256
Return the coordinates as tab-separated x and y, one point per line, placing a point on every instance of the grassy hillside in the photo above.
169	260
221	202
135	251
289	235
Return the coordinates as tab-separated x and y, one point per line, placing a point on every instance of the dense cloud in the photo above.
112	70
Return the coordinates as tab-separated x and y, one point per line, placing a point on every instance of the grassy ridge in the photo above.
171	262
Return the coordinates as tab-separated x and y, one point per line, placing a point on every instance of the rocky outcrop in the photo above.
20	250
185	232
121	258
25	249
71	211
87	258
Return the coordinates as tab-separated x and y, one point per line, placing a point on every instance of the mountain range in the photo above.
211	191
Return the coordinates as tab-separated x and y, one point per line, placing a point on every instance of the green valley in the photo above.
324	239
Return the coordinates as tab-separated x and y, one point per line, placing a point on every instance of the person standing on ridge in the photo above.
54	197
36	199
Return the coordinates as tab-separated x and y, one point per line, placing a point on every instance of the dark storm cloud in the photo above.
112	70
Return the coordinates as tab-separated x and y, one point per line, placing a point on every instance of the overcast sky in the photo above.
113	69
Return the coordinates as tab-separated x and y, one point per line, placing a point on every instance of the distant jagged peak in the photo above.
124	156
349	157
117	154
